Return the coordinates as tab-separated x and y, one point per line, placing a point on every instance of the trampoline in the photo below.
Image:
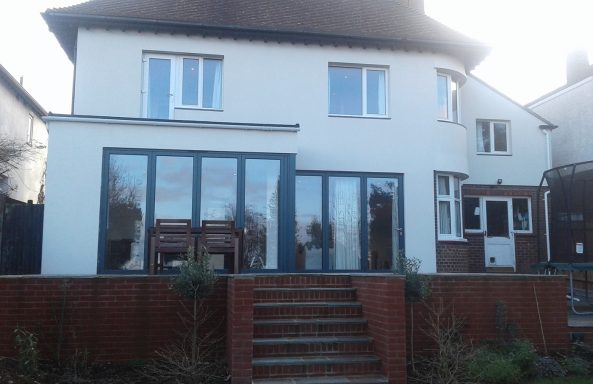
570	242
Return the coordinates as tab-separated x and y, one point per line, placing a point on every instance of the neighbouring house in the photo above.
571	107
337	136
21	120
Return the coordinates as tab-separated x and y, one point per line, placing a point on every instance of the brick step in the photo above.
303	281
310	309
358	379
309	345
310	327
315	365
305	294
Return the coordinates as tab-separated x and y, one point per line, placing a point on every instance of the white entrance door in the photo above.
499	238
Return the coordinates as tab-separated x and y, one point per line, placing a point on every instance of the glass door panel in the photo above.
344	223
173	187
308	223
218	189
497	218
383	223
126	212
262	189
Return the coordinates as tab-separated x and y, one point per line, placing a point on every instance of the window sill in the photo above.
362	117
450	122
493	154
452	240
186	107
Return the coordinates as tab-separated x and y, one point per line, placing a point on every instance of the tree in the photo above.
13	153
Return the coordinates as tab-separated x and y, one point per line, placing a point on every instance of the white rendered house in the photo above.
338	136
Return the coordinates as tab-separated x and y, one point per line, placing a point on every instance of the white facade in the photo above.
16	118
571	109
276	83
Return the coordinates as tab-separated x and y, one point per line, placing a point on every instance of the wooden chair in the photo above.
172	237
220	237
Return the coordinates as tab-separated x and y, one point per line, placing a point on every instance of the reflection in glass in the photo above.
173	187
443	97
126	199
308	228
454	101
383	223
345	91
262	185
218	189
375	92
483	133
159	88
344	221
471	213
500	137
212	83
191	74
521	214
497	219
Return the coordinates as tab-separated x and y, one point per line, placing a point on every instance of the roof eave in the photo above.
22	92
65	27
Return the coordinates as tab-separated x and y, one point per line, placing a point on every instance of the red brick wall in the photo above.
473	298
469	256
114	318
240	328
383	303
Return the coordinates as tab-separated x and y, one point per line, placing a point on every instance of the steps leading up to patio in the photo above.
311	329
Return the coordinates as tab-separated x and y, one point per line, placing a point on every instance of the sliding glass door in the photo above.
347	222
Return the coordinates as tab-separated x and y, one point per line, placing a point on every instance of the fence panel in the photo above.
22	234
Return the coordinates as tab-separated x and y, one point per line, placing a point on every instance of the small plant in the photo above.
27	352
417	285
547	366
503	363
576	366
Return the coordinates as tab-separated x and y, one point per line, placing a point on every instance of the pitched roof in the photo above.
20	92
382	23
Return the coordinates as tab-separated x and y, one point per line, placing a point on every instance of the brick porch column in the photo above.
239	341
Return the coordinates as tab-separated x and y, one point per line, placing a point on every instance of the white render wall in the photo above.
14	124
528	159
572	110
276	83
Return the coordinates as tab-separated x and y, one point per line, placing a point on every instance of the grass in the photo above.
564	380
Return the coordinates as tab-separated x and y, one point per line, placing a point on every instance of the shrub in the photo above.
547	366
575	365
501	363
27	352
491	367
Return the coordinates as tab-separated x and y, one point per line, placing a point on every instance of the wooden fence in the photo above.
20	244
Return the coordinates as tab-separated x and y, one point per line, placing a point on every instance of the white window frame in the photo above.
364	90
510	200
176	81
451	200
492	151
30	125
449	116
530	217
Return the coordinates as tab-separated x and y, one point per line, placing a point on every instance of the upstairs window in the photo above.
449	207
181	82
447	98
493	137
357	91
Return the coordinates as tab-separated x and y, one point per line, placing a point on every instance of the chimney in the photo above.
577	66
21	81
416	4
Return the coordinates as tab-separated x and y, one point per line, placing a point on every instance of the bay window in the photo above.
447	97
449	207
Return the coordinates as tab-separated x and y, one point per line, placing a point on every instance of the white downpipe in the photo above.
546	194
548	147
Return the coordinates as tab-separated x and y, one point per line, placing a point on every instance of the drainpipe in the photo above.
547	132
546	194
